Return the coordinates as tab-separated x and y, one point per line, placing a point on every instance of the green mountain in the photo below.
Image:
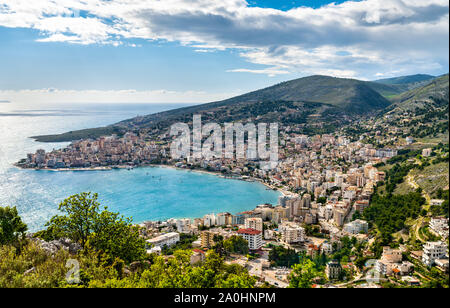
434	92
406	79
391	87
352	95
301	101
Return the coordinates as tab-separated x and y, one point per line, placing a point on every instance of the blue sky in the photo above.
202	50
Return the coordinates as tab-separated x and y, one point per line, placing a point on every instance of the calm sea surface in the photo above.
142	193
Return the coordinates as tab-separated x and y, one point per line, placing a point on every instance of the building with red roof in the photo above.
253	237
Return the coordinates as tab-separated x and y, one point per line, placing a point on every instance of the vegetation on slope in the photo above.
410	79
112	254
292	102
436	91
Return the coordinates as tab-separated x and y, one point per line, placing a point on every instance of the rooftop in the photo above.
249	231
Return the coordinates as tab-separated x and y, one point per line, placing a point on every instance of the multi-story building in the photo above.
168	240
339	216
333	270
253	237
439	225
356	226
291	233
391	255
207	239
327	248
238	219
254	223
183	225
433	251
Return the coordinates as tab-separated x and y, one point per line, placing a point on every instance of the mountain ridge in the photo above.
322	97
436	89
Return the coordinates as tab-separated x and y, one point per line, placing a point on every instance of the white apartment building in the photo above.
356	226
339	216
221	219
384	267
269	234
168	240
254	223
209	220
433	251
292	234
183	225
327	248
253	237
439	225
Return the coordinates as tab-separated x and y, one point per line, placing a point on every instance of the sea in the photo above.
150	193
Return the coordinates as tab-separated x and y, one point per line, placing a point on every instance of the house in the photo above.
411	281
442	264
409	140
426	152
326	248
197	256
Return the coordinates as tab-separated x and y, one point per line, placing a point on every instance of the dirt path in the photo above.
411	182
417	229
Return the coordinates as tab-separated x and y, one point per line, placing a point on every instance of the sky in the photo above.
206	50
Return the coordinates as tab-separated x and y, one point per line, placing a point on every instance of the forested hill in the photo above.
410	79
309	100
349	94
434	92
295	101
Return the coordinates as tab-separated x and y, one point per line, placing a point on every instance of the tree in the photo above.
236	244
356	215
218	245
302	274
177	272
103	231
281	256
81	215
117	237
12	228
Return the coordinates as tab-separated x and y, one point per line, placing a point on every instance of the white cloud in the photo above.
114	96
357	39
270	72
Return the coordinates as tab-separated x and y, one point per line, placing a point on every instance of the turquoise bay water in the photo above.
142	193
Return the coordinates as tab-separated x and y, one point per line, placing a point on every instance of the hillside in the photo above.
436	90
349	94
390	87
410	79
314	99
